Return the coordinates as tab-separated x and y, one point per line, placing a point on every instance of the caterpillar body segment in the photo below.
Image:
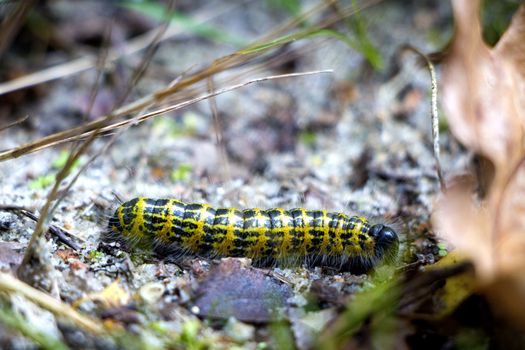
171	227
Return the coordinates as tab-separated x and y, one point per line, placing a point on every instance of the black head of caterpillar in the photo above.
386	241
317	237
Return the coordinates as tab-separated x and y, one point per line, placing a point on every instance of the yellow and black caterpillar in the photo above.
171	227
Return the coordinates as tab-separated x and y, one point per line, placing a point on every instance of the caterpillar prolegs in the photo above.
172	227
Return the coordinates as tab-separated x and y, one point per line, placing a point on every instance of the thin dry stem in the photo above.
101	62
433	113
219	137
43	222
16	122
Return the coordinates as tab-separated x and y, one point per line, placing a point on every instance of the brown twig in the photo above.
16	122
59	232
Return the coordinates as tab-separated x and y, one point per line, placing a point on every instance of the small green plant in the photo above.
42	182
282	335
187	125
182	173
95	255
308	137
442	249
374	306
362	43
58	163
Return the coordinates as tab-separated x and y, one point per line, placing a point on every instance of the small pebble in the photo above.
238	331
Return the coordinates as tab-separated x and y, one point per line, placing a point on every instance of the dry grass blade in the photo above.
46	213
150	52
43	222
9	284
143	41
16	122
187	103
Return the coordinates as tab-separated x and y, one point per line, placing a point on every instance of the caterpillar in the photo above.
172	227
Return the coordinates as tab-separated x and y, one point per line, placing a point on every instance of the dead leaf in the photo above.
481	89
511	45
248	294
484	98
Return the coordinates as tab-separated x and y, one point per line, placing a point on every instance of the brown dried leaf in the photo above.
481	90
247	294
484	97
512	44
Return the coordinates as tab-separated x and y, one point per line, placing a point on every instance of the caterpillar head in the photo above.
386	242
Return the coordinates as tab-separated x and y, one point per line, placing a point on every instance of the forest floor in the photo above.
357	140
